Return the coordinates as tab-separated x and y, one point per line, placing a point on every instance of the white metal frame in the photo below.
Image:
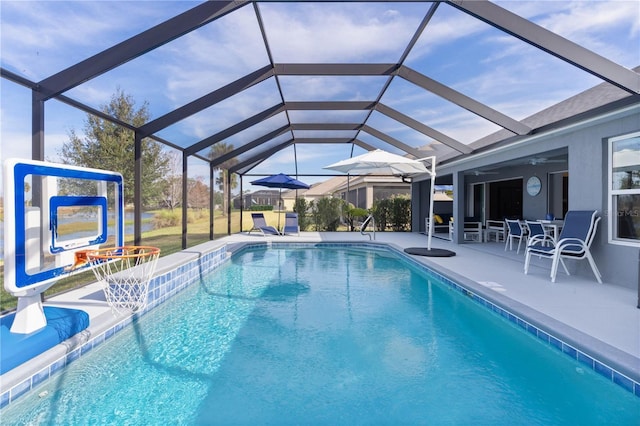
612	193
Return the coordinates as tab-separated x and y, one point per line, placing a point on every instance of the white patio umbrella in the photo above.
383	162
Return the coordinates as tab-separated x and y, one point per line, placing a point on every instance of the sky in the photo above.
40	38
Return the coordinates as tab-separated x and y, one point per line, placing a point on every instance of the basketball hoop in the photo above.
124	272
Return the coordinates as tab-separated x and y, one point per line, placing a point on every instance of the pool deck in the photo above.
602	317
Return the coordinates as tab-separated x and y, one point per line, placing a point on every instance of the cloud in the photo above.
333	32
39	38
608	27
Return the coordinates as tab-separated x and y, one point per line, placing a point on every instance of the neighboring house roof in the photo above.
571	108
320	189
338	183
358	181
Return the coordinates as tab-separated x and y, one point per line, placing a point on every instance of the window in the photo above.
624	189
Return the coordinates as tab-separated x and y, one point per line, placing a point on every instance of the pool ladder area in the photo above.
364	225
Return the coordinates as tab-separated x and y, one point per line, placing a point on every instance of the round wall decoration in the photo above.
533	186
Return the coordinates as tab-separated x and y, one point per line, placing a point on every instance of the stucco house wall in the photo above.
586	146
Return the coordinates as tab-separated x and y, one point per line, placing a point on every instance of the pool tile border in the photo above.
169	283
583	358
161	288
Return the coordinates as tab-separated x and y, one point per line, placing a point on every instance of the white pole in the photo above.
432	172
433	178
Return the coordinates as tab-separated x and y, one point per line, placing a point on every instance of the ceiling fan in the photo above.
534	161
481	172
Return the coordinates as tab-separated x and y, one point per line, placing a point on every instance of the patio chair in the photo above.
471	231
573	243
537	229
291	224
496	228
516	231
260	224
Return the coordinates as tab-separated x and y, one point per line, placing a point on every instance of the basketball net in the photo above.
124	273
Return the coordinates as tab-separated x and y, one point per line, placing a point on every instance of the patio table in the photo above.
555	226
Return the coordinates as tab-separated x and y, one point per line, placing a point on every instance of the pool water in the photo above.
324	336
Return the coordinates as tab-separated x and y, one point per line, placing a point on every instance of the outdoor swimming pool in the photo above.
332	335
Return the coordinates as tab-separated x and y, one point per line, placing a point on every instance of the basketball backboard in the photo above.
50	211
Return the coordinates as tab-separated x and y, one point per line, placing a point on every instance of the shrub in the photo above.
382	213
393	212
260	208
401	214
167	218
326	214
301	207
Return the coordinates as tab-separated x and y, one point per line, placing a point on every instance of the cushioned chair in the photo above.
471	231
574	242
438	224
260	224
291	224
516	231
497	228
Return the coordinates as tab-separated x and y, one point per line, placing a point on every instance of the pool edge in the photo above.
189	265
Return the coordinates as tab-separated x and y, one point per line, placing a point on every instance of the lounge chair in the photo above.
291	224
573	243
516	231
260	224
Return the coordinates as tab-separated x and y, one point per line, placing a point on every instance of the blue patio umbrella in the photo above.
280	181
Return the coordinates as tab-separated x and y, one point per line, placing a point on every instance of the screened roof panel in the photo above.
310	159
379	144
608	28
324	134
398	131
40	38
248	160
328	116
224	114
494	67
340	31
331	88
436	112
211	77
263	147
216	55
255	132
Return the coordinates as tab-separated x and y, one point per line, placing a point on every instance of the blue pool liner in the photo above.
17	348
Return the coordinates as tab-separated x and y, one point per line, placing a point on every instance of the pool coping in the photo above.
619	367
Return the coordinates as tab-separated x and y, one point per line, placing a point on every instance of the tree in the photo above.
198	193
217	150
109	146
172	189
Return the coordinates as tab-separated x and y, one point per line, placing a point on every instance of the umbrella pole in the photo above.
279	207
430	230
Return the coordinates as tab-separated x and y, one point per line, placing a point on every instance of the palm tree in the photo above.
217	150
